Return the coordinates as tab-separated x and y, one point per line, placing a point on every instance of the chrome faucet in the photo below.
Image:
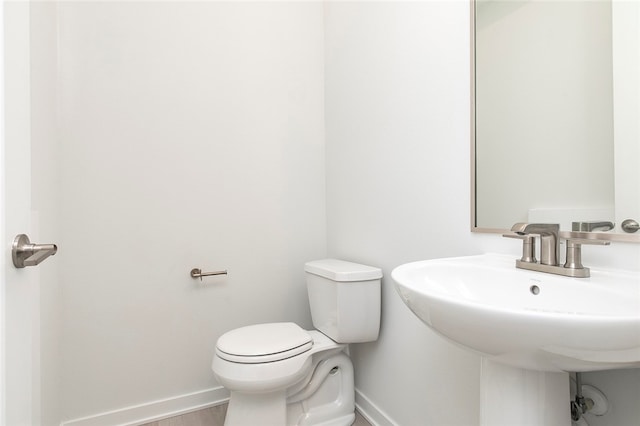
549	242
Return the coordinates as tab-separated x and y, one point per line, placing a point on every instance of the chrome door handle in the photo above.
24	253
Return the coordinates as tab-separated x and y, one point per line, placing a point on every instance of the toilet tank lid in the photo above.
340	270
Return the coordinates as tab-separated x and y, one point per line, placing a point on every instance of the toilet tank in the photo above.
344	299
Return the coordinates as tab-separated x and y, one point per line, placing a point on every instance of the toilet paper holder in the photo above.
197	273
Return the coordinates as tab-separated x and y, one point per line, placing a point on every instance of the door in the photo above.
20	295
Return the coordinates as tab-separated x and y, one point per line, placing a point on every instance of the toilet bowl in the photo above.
280	374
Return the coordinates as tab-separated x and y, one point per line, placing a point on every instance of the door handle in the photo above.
24	253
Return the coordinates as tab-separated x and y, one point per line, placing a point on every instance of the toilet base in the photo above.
324	398
245	409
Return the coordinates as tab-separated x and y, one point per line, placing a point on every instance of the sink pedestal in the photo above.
515	396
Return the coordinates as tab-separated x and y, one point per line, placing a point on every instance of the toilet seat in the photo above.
271	376
263	343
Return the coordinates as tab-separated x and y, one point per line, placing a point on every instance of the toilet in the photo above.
280	374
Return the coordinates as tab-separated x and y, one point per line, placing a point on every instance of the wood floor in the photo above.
214	416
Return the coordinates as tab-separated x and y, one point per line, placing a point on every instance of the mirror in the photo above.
555	132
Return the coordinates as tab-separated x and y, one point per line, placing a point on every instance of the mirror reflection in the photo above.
552	110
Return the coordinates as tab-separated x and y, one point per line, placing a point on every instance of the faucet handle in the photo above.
590	226
573	258
582	237
528	246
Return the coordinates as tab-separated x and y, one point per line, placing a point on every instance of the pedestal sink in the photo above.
527	319
539	325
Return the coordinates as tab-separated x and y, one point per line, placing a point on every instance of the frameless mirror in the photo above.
555	107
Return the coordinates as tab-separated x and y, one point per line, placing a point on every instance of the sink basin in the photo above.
527	319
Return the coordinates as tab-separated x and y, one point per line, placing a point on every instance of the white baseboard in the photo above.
371	412
164	408
154	410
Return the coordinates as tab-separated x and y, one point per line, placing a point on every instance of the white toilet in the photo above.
279	374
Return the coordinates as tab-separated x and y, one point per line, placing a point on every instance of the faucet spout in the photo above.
549	241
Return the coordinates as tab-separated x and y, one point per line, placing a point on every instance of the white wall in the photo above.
397	126
191	135
622	389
